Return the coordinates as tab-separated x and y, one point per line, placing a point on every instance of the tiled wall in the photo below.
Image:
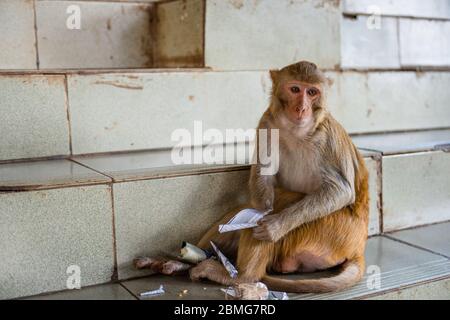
35	35
271	34
395	34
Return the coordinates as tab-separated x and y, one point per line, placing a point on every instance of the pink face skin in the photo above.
300	99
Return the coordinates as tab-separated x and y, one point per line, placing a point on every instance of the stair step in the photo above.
258	47
170	34
153	164
400	265
181	33
434	238
437	9
415	189
436	290
406	272
46	233
47	174
72	114
109	35
404	142
122	205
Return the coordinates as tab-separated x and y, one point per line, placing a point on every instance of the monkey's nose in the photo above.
299	109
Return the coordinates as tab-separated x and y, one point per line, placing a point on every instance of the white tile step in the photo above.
407	272
88	112
403	142
100	212
124	204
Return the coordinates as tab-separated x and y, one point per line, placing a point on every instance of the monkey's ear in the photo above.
274	75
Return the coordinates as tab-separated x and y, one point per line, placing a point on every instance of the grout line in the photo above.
415	246
171	175
26	160
58	291
115	275
153	33
115	1
378	152
399	48
66	89
129	291
204	34
350	15
36	35
100	71
21	189
83	165
418	226
379	163
374	133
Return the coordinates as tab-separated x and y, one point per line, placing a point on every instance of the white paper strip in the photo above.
244	219
226	263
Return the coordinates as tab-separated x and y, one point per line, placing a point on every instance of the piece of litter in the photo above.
230	292
278	295
153	293
244	219
226	263
248	291
192	254
254	291
184	291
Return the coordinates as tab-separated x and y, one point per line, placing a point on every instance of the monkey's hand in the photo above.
270	228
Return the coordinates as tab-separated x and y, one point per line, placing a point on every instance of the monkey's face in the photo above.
298	100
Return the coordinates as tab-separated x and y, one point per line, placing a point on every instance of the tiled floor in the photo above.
406	272
435	237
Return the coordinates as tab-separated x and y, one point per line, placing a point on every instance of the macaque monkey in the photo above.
318	198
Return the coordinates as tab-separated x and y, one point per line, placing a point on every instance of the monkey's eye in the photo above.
312	92
295	89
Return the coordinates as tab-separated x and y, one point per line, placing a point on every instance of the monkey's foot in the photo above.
213	270
161	265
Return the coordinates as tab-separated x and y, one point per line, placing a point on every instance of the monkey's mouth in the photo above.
298	119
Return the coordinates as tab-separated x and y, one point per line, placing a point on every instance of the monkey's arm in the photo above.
337	191
261	189
261	186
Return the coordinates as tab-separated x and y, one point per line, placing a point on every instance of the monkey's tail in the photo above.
352	271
